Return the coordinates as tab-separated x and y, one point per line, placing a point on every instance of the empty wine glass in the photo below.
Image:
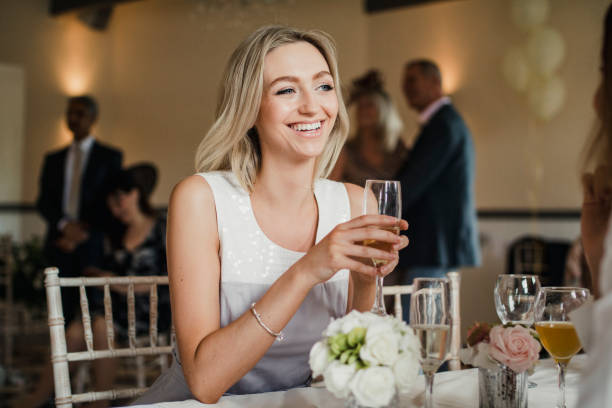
557	332
431	320
515	297
382	197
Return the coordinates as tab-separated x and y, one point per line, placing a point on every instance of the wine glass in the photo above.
515	298
557	333
382	197
431	320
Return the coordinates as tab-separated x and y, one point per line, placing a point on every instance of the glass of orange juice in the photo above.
557	333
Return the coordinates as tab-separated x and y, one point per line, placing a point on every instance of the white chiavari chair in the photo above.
60	357
454	363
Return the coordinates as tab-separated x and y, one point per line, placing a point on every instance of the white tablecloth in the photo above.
451	389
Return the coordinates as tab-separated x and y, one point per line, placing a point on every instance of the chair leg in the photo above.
140	372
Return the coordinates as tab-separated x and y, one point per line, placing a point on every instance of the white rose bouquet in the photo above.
369	356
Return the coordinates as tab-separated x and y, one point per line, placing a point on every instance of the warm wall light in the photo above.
75	58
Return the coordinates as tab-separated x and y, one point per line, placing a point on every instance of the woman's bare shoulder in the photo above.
192	190
355	194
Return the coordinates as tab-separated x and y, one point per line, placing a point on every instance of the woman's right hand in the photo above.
342	248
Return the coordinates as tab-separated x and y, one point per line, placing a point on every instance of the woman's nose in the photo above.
308	103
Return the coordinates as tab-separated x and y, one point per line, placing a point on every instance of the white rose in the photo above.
409	343
337	377
333	328
368	318
318	359
478	356
406	369
350	321
373	387
381	345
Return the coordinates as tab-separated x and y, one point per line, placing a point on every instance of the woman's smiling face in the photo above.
299	104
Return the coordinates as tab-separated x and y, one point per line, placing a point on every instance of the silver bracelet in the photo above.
279	336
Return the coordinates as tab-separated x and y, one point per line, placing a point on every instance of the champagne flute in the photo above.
431	320
557	333
515	298
382	197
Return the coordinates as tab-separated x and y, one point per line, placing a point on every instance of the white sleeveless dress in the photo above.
250	264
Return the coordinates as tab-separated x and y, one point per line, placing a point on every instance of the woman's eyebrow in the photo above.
290	78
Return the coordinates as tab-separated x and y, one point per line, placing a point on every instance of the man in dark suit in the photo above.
437	182
71	197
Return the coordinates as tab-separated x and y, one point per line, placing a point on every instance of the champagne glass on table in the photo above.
431	320
557	333
515	297
382	197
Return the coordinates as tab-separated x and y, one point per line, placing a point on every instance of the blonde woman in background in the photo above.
376	151
260	244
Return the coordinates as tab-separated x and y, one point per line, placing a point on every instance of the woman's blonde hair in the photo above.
232	143
389	125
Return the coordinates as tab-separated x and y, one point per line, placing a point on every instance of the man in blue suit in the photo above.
71	197
437	182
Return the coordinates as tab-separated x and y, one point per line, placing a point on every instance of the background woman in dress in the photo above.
260	242
376	151
137	247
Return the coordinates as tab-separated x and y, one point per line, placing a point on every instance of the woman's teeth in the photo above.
306	126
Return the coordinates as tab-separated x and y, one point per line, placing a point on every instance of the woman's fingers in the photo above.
370	233
389	267
362	251
360	267
374	220
402	244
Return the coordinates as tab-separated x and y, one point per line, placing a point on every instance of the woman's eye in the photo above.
326	87
285	91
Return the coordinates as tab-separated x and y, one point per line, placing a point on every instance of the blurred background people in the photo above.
592	320
137	247
437	183
376	150
71	198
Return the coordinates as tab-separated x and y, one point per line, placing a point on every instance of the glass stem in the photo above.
429	379
561	398
379	304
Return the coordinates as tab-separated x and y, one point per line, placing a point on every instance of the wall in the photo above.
522	162
157	68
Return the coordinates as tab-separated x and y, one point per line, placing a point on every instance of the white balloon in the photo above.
545	50
546	97
527	14
515	68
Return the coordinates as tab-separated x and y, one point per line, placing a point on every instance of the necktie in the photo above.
75	184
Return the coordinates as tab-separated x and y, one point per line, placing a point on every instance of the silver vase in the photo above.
502	388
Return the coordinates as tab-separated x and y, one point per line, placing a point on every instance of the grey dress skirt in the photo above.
250	264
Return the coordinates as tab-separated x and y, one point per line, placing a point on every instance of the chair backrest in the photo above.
452	357
59	354
538	256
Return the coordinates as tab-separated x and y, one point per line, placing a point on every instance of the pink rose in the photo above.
514	347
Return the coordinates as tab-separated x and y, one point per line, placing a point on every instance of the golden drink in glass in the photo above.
553	324
559	339
382	245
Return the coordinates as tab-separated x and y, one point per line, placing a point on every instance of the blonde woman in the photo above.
376	151
259	244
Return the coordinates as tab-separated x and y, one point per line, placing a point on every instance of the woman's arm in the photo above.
597	189
362	288
214	358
